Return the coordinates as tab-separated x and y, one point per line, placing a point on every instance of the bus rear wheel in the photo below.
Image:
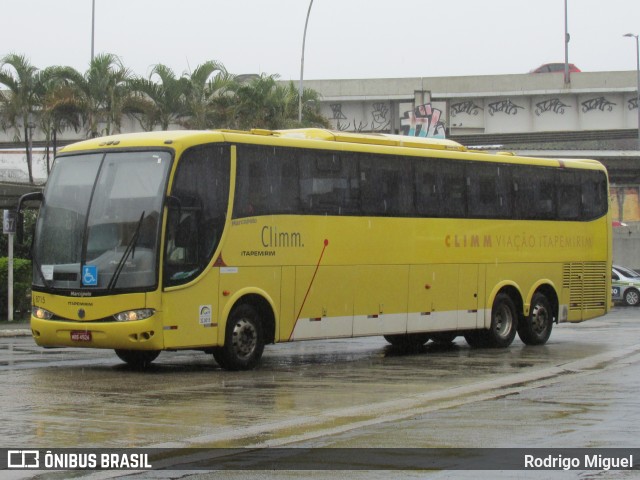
137	358
536	328
244	340
504	322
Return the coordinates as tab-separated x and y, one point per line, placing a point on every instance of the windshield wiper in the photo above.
130	247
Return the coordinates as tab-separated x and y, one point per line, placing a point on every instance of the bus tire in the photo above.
476	338
443	338
218	356
244	340
536	328
631	297
407	340
504	322
137	358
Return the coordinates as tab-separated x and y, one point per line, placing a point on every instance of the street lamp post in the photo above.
304	38
93	26
635	35
567	37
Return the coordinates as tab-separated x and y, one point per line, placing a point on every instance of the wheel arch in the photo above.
547	288
262	303
513	291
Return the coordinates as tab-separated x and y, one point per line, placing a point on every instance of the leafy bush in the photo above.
21	285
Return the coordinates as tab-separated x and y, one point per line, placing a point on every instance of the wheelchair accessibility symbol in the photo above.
90	275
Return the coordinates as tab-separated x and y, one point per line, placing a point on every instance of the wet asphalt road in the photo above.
579	390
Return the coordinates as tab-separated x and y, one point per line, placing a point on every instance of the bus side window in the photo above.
266	181
386	188
197	212
328	183
594	194
569	196
490	192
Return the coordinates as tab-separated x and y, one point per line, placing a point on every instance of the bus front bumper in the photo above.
135	335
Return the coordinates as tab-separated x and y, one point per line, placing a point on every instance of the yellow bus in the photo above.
224	241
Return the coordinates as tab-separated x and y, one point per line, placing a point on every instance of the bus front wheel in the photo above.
536	328
244	340
137	358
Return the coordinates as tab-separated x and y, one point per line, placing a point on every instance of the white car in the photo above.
625	285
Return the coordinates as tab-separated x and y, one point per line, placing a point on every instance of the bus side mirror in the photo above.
174	203
27	197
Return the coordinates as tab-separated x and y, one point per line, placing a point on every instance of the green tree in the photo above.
159	103
58	108
263	102
206	96
20	103
102	93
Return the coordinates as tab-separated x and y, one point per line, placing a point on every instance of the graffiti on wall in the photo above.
633	104
553	105
381	118
379	115
467	107
423	121
505	106
598	103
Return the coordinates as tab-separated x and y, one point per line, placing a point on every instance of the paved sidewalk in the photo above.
17	328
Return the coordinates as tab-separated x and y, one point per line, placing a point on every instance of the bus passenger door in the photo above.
190	314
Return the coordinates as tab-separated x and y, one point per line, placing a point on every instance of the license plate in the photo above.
80	336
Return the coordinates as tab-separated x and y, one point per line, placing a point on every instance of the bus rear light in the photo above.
41	313
133	315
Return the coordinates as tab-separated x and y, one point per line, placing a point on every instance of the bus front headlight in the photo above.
133	315
41	313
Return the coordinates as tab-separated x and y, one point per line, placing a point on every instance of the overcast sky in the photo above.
345	38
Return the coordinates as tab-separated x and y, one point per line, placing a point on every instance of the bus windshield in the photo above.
99	225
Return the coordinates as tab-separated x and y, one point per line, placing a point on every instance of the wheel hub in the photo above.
245	338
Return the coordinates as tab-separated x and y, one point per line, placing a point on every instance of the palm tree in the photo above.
19	105
159	103
101	94
265	103
59	109
311	114
206	99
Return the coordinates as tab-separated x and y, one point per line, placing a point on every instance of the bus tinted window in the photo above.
426	185
201	187
534	193
280	180
489	191
594	196
267	181
452	188
569	195
329	183
386	188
